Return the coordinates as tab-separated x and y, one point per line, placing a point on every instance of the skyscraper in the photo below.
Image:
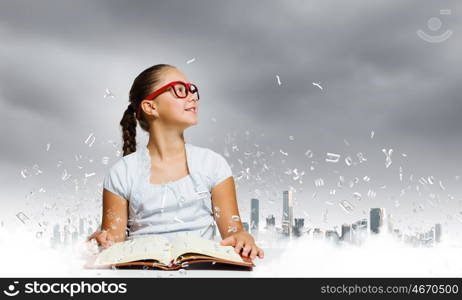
75	236
354	231
362	224
360	231
318	233
389	223
298	228
397	233
431	235
287	212
82	226
67	233
332	235
346	233
90	231
254	216
246	226
270	222
56	238
438	233
376	215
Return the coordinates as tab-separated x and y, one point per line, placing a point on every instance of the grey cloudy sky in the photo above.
58	57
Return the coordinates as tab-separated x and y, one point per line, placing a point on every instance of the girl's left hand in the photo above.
243	240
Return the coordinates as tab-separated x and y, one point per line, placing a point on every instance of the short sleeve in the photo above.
116	179
220	169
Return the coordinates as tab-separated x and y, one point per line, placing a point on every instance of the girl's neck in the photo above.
163	150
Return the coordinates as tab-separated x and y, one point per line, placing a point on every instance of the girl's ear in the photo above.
150	108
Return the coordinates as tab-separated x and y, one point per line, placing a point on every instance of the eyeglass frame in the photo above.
164	88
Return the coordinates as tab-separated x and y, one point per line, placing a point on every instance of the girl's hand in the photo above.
104	238
243	240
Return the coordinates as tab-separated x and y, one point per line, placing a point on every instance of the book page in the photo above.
154	247
194	244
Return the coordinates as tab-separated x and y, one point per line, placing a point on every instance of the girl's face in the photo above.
172	110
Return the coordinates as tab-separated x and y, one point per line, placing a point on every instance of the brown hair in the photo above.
142	86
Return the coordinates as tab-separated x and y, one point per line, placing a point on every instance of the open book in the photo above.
157	251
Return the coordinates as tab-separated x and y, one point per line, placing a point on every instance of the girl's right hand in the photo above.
103	238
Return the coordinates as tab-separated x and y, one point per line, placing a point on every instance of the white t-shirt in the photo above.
183	206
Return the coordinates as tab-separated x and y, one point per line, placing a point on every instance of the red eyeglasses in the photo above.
180	88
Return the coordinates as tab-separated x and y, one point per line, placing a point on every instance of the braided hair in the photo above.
142	86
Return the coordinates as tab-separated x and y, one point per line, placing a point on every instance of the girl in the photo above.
169	186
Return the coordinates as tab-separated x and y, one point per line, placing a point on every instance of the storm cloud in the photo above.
377	74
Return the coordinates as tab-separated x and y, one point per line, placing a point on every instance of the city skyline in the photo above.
356	232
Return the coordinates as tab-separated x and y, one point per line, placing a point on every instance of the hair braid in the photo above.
128	124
